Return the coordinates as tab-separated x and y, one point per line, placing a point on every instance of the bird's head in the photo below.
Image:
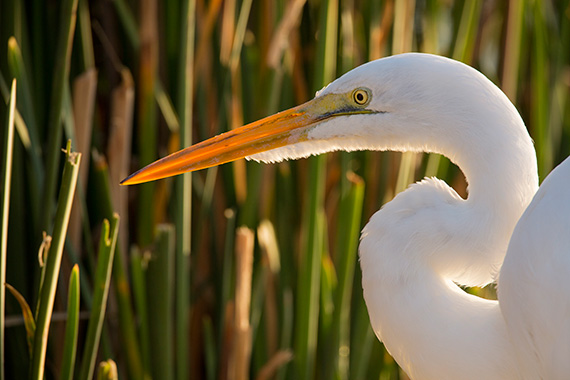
404	102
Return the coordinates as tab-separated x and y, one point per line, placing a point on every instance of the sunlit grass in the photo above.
130	82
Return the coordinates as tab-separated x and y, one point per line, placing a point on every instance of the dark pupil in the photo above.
359	97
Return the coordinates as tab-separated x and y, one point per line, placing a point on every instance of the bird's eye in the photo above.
361	96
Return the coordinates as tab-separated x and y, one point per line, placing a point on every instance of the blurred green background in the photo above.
192	294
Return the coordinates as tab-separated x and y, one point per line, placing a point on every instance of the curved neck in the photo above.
416	247
435	330
501	175
502	180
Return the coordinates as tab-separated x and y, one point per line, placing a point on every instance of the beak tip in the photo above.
127	180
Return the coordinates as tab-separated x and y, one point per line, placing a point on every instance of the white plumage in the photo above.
533	285
419	246
427	239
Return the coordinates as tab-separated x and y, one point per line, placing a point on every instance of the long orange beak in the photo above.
284	128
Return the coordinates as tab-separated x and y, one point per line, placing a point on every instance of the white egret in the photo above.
428	239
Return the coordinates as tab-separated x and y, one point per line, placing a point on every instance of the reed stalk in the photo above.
183	186
52	265
513	41
307	318
59	86
350	213
540	84
147	132
238	368
7	147
102	283
160	302
122	287
29	127
72	326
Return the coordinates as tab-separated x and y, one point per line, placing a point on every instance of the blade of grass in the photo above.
29	321
8	144
173	12
209	349
47	295
325	71
406	171
239	33
84	91
86	39
433	165
380	25
271	266
401	43
362	339
161	96
287	327
160	298
89	261
286	224
540	84
329	284
260	351
25	101
308	288
467	33
347	38
84	87
166	108
71	328
129	340
18	264
259	176
432	19
59	85
134	38
128	22
226	287
41	47
307	311
238	368
280	40
69	119
227	336
19	122
350	212
119	150
228	30
206	29
102	281
183	185
138	269
512	53
147	132
403	26
560	91
236	107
